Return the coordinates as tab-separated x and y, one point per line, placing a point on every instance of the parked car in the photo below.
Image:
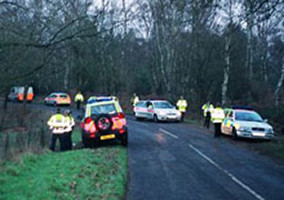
245	122
157	110
58	99
17	94
103	120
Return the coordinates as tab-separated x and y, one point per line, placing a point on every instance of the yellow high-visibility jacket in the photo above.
217	116
182	105
57	123
207	108
79	97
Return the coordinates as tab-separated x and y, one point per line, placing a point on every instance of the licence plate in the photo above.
107	137
258	134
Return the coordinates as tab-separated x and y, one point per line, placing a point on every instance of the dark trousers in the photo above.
78	105
54	138
68	140
207	120
217	129
182	116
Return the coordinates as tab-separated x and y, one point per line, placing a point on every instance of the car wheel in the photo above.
235	135
124	140
156	118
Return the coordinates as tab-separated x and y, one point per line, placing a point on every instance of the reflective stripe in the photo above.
90	127
118	123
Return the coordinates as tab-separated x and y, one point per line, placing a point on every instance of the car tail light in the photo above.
121	131
121	116
87	120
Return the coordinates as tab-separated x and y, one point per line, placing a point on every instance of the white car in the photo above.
246	123
157	110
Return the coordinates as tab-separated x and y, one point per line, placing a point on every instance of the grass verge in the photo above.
81	174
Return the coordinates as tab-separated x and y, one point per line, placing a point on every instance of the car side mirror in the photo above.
265	120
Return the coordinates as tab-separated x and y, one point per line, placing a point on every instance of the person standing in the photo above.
79	98
182	105
207	110
57	125
217	119
69	128
134	100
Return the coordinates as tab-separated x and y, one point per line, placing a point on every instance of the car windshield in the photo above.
248	116
163	105
63	96
103	109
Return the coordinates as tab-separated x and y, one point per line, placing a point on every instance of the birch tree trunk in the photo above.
279	84
226	69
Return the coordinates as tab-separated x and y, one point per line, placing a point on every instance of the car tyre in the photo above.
124	140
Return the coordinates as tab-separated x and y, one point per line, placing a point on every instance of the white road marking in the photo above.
235	179
168	133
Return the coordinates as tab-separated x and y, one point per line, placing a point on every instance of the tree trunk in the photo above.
279	84
226	69
249	57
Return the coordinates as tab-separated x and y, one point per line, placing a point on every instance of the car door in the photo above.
150	110
51	99
140	109
227	123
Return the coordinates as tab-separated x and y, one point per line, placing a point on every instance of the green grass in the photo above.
82	174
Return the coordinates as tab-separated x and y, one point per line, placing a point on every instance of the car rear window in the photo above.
63	96
103	109
248	116
163	105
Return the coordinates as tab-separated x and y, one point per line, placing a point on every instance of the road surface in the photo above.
182	161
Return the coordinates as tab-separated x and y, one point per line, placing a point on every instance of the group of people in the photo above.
181	104
61	126
216	115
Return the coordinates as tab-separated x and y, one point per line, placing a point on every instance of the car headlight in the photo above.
244	129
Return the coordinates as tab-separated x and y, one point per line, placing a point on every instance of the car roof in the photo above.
59	93
96	99
243	110
154	100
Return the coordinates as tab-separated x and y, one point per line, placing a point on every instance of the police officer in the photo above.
207	110
68	130
182	105
217	119
134	100
57	125
79	98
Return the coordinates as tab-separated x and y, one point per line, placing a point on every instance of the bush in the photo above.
22	131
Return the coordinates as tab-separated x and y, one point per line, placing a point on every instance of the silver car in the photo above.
247	124
157	110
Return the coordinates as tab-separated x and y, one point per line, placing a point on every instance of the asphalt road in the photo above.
182	161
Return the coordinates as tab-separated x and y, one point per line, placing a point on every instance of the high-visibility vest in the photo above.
217	116
70	123
182	105
57	123
207	108
135	101
79	97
